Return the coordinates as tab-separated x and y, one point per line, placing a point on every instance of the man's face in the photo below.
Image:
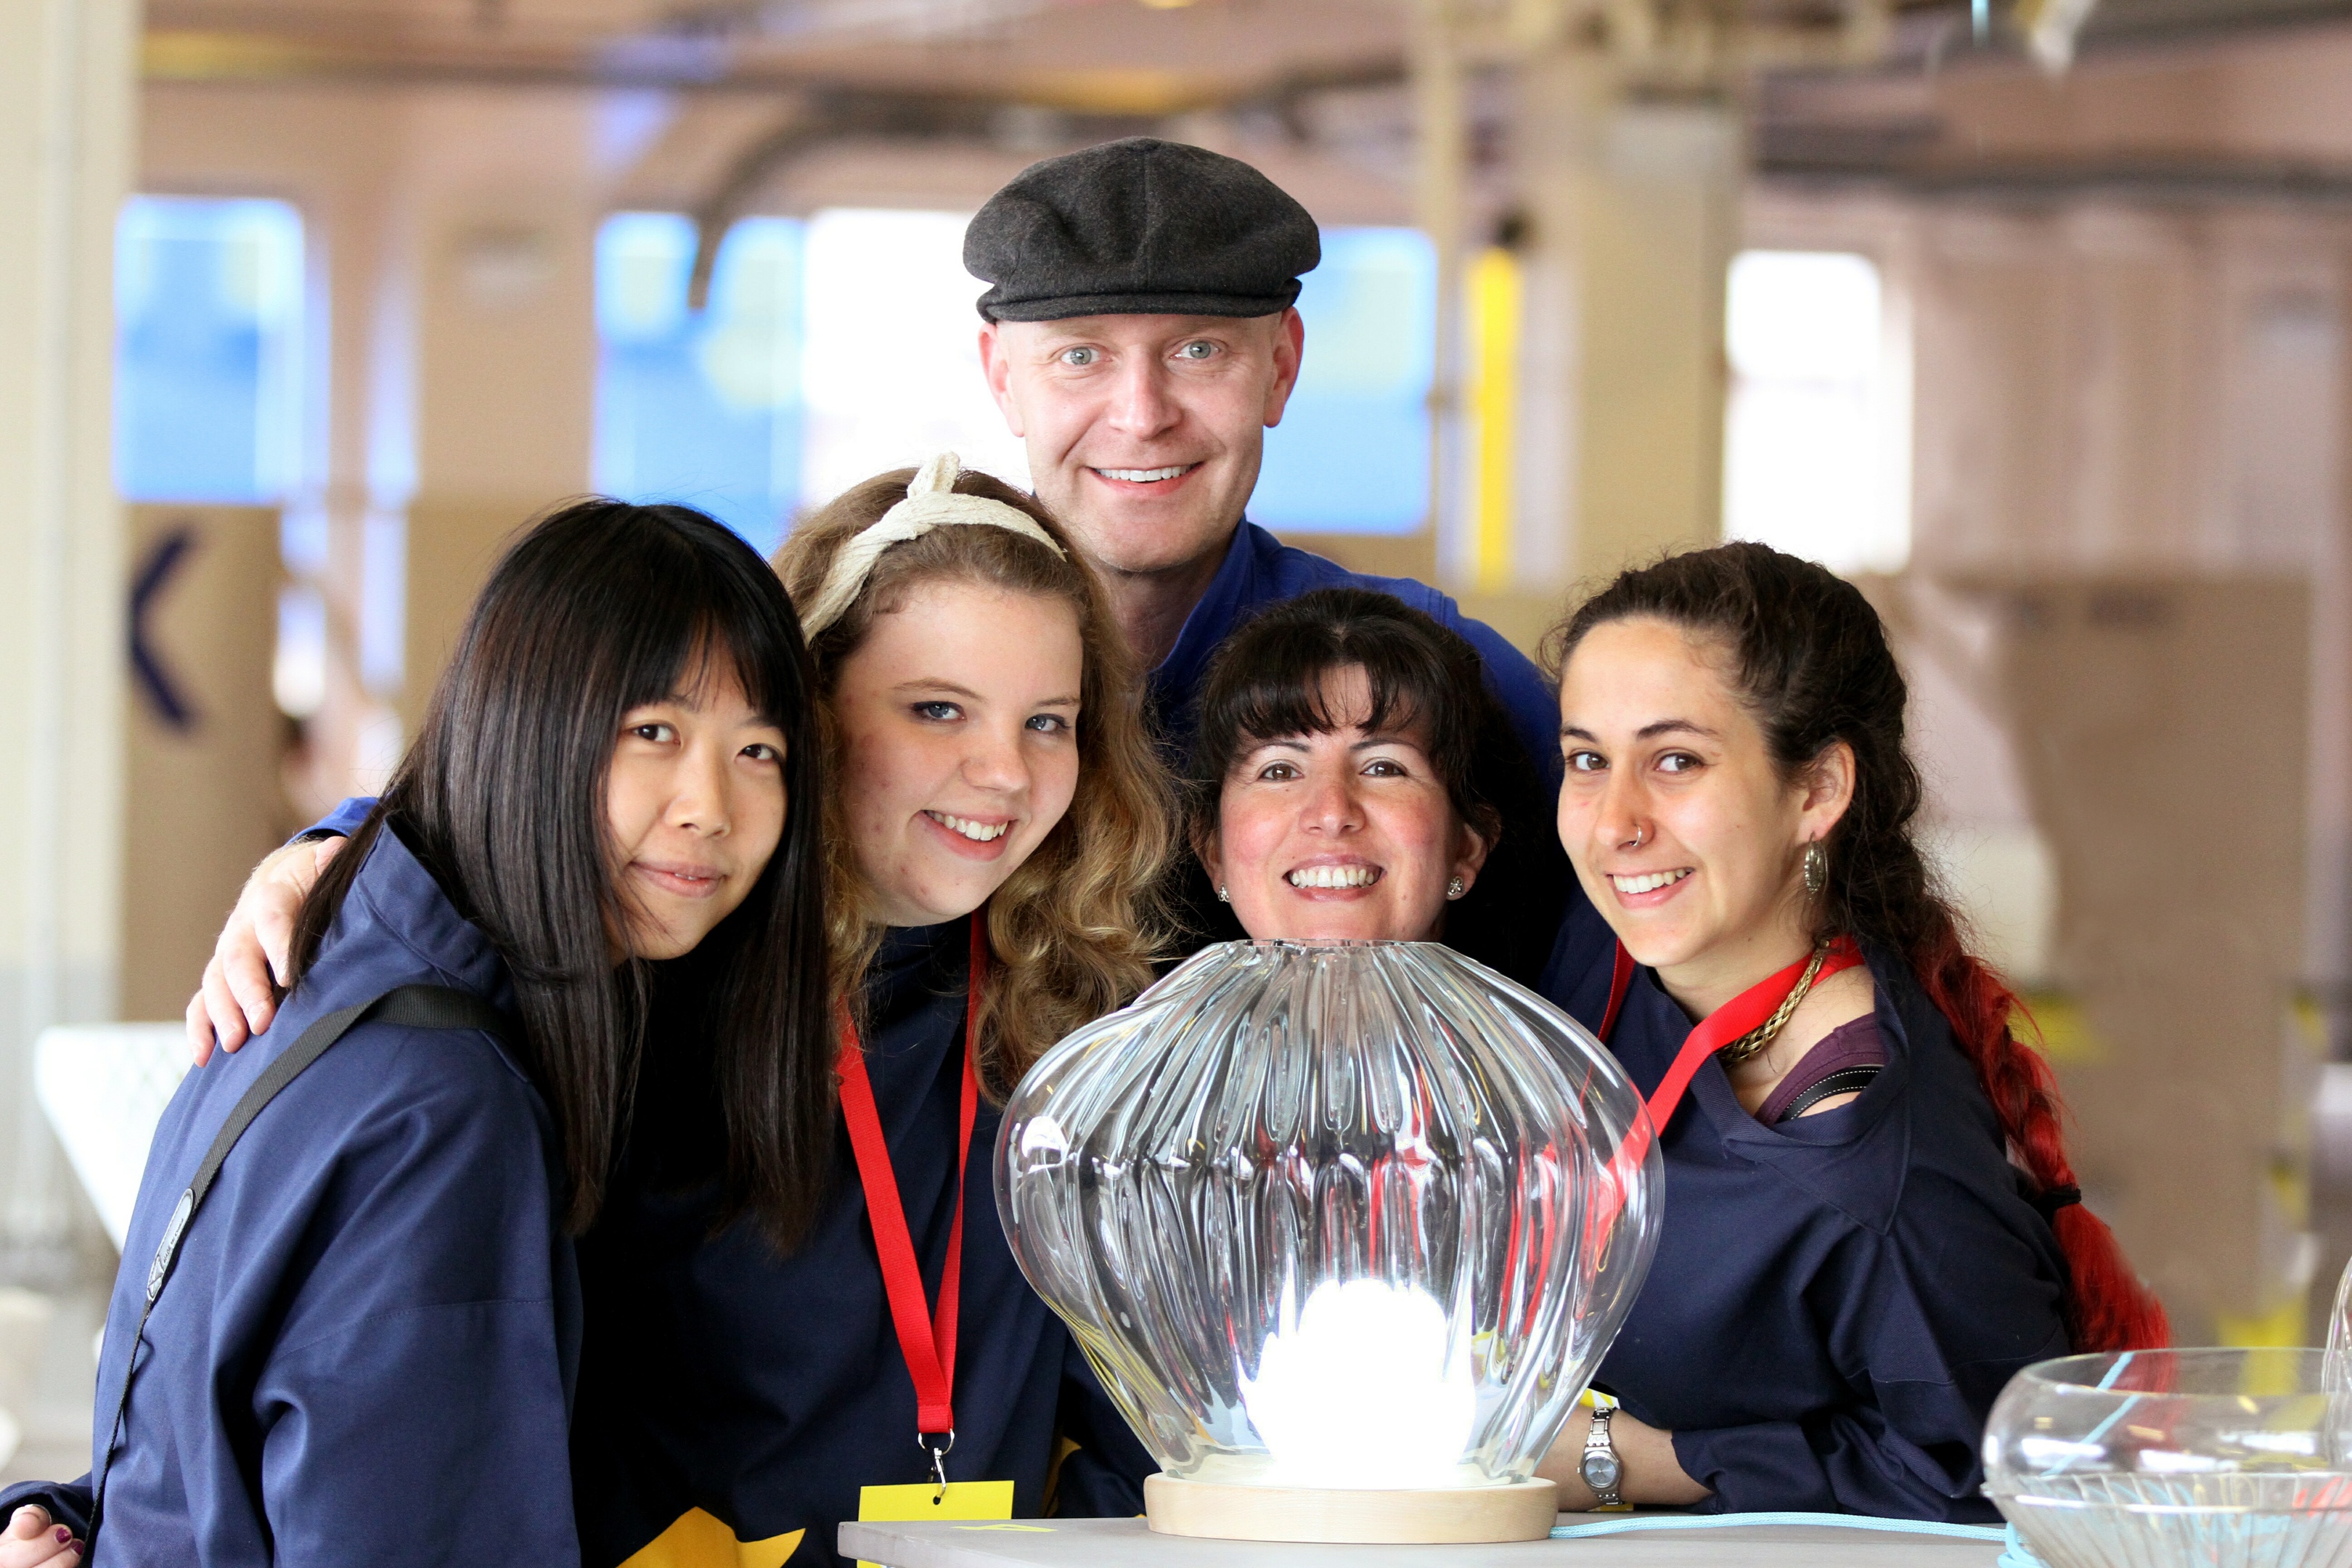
1144	432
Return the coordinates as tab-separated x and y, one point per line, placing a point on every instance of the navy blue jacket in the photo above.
765	1390
364	1353
1837	1301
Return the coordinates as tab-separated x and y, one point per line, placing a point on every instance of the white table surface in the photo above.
1127	1543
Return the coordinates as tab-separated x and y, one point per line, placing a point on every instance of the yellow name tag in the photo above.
962	1499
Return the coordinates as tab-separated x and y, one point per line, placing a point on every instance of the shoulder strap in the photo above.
411	1006
1845	1081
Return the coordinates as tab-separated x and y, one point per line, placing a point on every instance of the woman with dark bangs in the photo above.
1356	779
347	1321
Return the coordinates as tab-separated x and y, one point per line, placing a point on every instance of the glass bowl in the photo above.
1358	1216
2219	1457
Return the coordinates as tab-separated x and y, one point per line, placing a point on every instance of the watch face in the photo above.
1601	1472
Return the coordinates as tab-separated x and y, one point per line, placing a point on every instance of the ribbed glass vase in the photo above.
1358	1216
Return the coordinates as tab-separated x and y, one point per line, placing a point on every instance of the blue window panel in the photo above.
1351	454
208	350
700	409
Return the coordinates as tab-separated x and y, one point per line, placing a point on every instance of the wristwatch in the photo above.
1600	1467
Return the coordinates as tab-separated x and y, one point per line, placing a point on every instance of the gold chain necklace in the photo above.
1757	1038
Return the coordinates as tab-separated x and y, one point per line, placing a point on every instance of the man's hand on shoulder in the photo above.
248	965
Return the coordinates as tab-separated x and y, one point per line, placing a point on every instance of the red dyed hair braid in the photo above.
2106	1307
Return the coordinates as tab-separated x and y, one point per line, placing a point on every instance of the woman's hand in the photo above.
249	964
31	1540
1653	1473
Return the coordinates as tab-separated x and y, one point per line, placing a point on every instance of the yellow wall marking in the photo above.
1494	308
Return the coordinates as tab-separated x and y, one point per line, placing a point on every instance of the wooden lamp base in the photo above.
1517	1510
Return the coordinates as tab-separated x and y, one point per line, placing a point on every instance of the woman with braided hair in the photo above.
1870	1223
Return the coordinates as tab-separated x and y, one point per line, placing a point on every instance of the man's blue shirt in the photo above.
1260	570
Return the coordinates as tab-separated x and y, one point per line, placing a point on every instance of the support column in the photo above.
1441	169
68	83
1631	211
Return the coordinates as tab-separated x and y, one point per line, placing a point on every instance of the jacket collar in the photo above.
395	899
1232	591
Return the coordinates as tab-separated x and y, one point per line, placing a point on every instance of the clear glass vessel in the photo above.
1363	1214
2219	1458
2338	1373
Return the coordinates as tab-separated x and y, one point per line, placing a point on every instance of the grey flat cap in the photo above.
1140	226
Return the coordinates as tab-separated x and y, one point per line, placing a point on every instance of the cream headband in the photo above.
932	501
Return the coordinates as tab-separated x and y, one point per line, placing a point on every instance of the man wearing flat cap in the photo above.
1140	339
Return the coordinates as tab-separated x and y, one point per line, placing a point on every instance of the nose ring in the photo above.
1640	836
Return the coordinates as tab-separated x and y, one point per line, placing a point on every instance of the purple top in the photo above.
1851	1045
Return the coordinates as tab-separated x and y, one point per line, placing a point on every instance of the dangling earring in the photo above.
1223	896
1455	889
1817	868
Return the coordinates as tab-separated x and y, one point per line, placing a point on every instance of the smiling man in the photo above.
1141	337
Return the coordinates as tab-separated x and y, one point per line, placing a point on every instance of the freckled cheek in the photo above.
873	846
884	770
1252	838
865	779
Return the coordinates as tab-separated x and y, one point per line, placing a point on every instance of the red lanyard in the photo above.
928	1344
1716	1030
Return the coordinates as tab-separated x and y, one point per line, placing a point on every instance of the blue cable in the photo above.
1620	1523
2098	1434
2013	1555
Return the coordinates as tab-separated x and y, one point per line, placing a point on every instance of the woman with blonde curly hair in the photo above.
1065	890
996	820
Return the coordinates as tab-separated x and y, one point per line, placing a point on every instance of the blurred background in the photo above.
2028	314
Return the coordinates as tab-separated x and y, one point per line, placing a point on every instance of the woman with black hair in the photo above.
1355	778
347	1321
1869	1222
